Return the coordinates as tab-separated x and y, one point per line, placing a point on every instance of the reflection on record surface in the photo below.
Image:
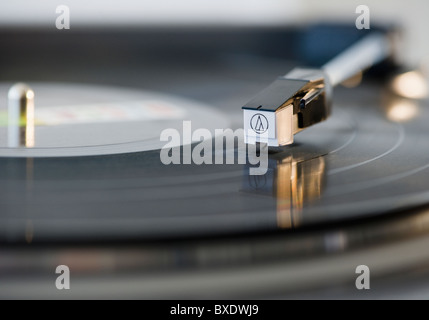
291	183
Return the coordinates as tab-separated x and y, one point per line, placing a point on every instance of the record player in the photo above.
83	185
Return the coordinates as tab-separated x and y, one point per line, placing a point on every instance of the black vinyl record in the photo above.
95	196
365	160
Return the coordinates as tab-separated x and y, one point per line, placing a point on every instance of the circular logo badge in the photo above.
259	123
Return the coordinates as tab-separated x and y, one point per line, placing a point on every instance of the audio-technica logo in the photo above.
259	123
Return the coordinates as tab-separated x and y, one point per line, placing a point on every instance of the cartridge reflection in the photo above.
293	184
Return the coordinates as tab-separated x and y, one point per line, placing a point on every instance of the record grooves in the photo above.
338	167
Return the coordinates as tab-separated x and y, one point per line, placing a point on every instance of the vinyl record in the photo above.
368	159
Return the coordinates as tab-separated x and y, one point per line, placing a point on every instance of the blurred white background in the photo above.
411	14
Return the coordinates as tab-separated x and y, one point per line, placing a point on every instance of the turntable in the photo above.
83	184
